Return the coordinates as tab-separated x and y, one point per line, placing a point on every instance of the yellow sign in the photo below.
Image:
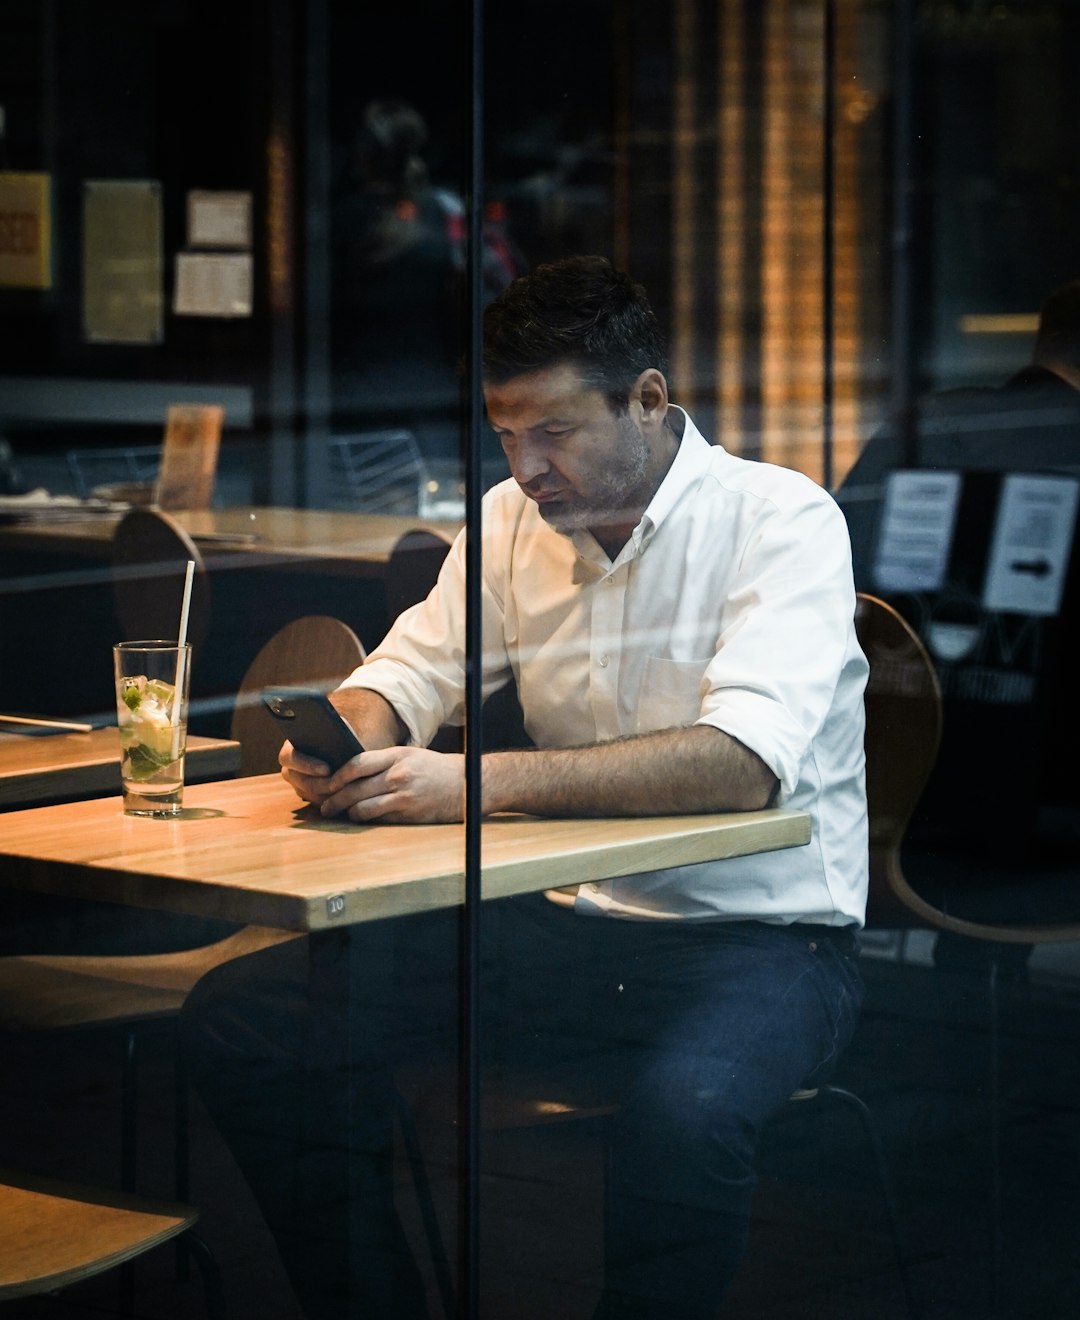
25	238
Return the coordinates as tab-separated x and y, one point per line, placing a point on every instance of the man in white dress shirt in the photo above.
679	624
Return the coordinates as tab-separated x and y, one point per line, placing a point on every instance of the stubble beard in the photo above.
614	497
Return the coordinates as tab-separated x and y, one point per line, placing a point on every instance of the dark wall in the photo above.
171	90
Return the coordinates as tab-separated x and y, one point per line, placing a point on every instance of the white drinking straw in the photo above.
185	609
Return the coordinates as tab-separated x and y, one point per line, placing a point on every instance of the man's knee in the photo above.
248	1008
684	1113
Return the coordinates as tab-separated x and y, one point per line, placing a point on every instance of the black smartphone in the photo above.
308	719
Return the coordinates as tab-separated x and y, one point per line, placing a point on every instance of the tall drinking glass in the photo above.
152	683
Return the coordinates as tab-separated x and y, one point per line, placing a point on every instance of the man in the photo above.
1010	681
1031	423
680	626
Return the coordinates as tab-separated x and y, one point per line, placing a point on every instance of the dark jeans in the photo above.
699	1032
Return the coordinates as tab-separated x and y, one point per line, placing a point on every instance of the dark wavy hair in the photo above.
581	311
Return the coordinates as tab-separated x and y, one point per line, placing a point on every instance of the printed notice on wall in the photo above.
1033	535
123	288
218	219
916	530
213	284
25	231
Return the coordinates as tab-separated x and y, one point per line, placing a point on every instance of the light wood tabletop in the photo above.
49	767
247	850
360	541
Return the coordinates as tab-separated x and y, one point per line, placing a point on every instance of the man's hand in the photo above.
397	785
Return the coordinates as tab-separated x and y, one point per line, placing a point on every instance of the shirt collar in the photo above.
687	467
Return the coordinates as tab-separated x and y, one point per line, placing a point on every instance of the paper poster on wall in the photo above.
213	284
218	219
1033	535
916	530
123	287
25	230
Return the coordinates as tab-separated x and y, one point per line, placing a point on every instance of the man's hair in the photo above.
580	311
1059	326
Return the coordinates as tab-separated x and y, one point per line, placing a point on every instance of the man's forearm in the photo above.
373	719
674	772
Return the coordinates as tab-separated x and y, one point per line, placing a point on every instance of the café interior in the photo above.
245	251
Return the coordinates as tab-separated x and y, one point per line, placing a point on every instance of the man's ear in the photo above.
650	390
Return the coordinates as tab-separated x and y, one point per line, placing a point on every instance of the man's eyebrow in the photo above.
554	420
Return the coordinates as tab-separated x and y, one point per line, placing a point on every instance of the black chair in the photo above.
150	553
376	472
111	471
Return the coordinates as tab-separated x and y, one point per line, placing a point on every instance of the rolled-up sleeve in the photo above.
784	635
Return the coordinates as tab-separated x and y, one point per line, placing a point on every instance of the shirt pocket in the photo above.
670	693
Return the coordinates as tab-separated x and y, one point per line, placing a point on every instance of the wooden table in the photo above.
359	543
247	850
48	768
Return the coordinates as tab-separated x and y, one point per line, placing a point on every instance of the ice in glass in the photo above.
152	709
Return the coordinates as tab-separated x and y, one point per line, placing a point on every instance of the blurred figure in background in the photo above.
1031	423
398	247
1006	675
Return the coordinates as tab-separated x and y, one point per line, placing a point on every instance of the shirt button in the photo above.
602	662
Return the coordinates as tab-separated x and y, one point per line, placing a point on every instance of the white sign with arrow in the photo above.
1033	535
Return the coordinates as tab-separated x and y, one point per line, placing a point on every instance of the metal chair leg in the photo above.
128	1142
181	1147
128	1113
210	1272
885	1183
996	1199
422	1186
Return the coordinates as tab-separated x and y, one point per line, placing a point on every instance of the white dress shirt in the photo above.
732	604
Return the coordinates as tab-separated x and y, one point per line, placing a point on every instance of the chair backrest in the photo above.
376	472
150	552
189	456
114	472
904	719
315	651
412	568
903	732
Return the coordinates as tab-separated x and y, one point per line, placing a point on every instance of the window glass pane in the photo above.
236	290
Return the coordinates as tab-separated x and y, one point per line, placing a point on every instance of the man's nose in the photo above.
527	463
